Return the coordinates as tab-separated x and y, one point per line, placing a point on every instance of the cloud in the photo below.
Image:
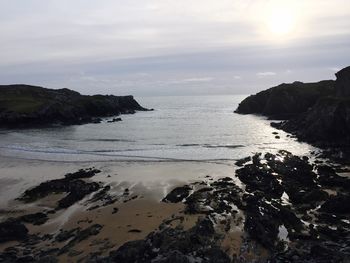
266	74
203	79
153	45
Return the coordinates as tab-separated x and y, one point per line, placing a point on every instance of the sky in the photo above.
172	47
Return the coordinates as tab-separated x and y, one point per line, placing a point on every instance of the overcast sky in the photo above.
172	47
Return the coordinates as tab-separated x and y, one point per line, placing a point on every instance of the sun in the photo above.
281	21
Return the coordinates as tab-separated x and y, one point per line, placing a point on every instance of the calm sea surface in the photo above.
180	128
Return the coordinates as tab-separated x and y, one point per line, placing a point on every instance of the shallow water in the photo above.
201	128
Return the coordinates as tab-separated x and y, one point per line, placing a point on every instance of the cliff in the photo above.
286	100
24	105
327	123
320	117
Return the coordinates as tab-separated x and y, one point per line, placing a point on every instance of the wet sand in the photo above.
132	217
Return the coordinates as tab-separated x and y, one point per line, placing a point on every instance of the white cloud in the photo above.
266	74
203	79
46	42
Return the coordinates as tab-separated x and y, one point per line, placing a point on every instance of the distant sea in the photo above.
188	128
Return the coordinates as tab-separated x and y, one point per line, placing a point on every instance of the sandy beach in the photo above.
137	210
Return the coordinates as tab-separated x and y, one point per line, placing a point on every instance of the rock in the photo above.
27	106
12	229
82	173
243	161
134	231
339	204
64	235
115	120
342	84
329	177
103	197
35	219
132	251
317	113
174	244
260	179
261	223
326	123
173	257
177	194
81	235
77	189
286	100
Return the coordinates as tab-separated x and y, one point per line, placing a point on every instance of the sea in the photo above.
181	128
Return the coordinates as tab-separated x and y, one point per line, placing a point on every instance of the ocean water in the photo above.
188	128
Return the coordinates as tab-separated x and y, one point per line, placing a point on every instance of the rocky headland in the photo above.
24	106
318	113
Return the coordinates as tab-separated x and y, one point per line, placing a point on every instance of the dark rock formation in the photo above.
35	219
198	244
326	123
318	113
177	194
304	224
24	105
12	229
342	85
81	235
286	100
115	120
76	188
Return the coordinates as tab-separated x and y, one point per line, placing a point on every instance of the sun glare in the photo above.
281	20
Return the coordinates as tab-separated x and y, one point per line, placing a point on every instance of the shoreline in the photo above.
139	203
131	217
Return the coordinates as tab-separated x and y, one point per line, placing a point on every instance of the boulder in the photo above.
177	194
12	229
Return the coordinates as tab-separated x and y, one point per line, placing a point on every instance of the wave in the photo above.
106	140
228	146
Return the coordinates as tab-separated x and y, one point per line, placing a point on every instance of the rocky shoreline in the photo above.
23	106
317	113
275	208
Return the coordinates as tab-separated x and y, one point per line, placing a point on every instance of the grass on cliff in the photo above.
20	104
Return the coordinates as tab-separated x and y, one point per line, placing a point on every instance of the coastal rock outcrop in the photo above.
326	123
286	100
24	105
318	113
342	85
